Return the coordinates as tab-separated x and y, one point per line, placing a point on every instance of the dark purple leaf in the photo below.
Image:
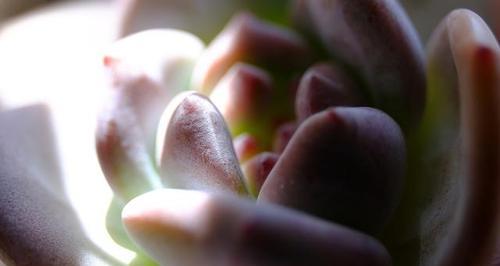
343	164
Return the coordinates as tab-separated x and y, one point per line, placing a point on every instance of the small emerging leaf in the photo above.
257	169
325	85
243	96
283	135
246	146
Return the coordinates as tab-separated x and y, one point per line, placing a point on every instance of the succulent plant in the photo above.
286	133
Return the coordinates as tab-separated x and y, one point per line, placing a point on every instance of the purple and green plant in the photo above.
291	133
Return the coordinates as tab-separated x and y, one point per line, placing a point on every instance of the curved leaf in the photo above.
248	39
147	69
464	61
180	227
37	223
195	148
325	85
344	164
376	40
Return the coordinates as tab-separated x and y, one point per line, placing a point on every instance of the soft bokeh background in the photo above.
50	52
426	14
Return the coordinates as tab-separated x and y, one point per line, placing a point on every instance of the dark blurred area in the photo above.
426	14
10	8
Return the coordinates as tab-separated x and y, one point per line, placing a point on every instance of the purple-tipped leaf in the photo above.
325	85
376	39
257	169
283	135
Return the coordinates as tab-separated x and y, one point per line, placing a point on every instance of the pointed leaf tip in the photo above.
376	39
325	85
250	40
197	150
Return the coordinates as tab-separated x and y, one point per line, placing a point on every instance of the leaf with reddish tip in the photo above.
377	39
166	57
246	146
179	227
460	221
197	150
247	39
147	69
257	169
344	164
283	135
243	96
325	85
124	159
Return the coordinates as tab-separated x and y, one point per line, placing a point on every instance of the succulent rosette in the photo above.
287	133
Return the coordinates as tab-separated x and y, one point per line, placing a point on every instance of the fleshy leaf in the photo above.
246	146
343	164
325	85
283	135
377	41
180	227
196	149
248	39
460	223
146	69
257	169
37	223
243	96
